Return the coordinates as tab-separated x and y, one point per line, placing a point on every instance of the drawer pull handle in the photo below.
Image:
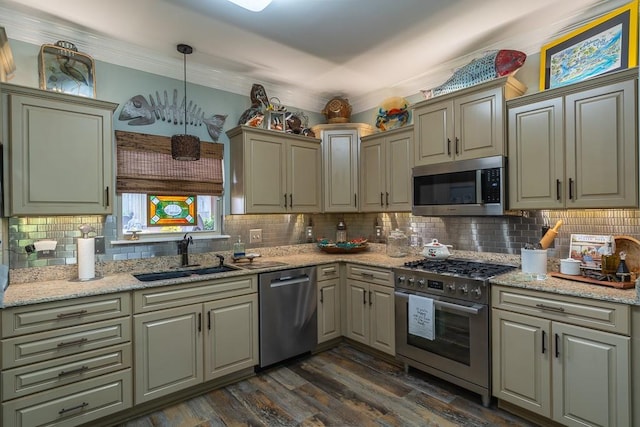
74	408
72	343
548	307
329	272
366	274
73	371
78	313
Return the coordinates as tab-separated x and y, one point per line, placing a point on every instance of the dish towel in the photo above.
421	316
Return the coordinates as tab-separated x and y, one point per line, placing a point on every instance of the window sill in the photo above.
158	239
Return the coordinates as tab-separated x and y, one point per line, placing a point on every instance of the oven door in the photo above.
461	343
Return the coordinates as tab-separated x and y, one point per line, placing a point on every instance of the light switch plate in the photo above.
255	235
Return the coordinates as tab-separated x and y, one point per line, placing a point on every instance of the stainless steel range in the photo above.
458	348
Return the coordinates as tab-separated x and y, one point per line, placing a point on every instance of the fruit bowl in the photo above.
352	246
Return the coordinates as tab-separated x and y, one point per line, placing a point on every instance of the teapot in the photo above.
436	250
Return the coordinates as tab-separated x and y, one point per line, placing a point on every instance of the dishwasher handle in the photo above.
289	280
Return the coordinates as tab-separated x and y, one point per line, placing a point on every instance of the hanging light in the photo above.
185	147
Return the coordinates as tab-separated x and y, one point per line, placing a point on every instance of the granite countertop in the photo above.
33	286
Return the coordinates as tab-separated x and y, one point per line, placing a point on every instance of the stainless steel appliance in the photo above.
460	350
288	314
463	187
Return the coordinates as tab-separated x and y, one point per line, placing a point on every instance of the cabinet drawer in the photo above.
596	314
73	404
60	314
328	271
43	376
43	346
370	275
209	290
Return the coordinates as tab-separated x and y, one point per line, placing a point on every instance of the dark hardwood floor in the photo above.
339	387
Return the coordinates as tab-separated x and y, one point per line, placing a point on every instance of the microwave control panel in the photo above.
491	185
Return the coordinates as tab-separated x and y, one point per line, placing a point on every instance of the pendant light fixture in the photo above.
185	147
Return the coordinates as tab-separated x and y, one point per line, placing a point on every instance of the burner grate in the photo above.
459	267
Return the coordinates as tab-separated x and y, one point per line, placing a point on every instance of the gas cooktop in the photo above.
460	267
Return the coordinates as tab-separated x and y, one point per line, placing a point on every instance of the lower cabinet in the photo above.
179	347
574	375
328	302
370	307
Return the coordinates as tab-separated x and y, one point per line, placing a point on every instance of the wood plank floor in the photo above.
339	387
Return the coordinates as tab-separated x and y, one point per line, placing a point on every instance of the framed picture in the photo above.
63	69
276	120
171	210
609	43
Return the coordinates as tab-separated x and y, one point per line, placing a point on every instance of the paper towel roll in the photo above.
86	258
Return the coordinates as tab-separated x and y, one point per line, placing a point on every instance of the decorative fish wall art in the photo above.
494	64
140	112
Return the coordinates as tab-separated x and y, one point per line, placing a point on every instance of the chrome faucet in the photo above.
183	249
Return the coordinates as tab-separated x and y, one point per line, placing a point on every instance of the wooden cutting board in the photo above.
631	246
589	280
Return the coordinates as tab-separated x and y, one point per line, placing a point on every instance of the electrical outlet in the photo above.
255	235
99	245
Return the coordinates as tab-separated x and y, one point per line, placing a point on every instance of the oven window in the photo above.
456	188
452	337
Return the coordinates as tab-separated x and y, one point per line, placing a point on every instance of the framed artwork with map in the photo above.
63	69
609	43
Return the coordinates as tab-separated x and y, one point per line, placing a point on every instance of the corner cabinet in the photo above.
564	358
274	172
575	146
58	153
465	124
340	154
386	160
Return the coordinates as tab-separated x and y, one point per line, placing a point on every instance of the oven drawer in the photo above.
596	314
328	271
48	345
60	314
25	380
72	405
370	275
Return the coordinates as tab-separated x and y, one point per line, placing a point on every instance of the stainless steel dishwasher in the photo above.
288	314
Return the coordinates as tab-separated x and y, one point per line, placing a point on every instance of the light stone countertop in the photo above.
33	286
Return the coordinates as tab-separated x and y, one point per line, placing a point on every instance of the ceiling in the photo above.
303	51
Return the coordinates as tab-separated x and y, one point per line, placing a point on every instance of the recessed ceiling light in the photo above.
252	5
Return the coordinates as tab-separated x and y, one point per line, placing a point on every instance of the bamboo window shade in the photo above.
145	165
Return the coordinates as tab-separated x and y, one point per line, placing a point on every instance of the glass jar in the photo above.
397	244
341	232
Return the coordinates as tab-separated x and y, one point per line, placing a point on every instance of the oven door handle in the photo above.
474	309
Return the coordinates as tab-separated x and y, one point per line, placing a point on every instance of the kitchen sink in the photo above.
174	274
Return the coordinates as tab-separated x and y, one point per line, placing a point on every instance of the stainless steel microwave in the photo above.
465	187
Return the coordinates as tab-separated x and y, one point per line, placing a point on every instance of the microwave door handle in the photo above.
479	189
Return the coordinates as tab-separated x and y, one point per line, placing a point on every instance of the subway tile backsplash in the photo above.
486	234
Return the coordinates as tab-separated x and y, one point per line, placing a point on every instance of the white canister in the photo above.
570	266
534	261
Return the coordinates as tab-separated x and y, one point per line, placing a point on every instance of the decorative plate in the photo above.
393	113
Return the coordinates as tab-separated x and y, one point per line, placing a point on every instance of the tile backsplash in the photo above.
505	234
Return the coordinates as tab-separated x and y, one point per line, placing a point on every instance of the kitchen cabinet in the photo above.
340	156
466	124
66	362
565	358
370	307
329	324
274	172
575	146
50	140
189	334
386	160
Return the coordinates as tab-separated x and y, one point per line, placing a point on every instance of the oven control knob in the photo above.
411	281
476	292
463	289
451	288
401	280
421	283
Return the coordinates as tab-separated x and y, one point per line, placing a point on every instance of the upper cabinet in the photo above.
274	172
386	159
58	153
465	124
340	153
575	146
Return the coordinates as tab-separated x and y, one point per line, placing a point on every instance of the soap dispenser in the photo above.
238	249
